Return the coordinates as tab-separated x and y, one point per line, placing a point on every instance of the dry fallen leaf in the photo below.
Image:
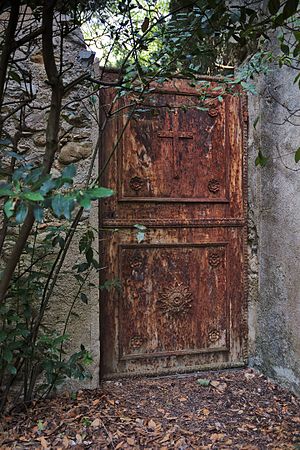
249	376
130	441
78	438
96	423
44	443
65	442
154	414
216	436
151	424
166	438
222	387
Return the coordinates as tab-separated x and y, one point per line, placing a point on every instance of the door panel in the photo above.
179	171
165	147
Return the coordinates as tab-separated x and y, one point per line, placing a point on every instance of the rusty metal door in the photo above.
179	170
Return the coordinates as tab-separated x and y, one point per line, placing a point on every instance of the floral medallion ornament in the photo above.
136	183
215	257
213	186
136	342
175	300
213	112
136	263
214	336
213	106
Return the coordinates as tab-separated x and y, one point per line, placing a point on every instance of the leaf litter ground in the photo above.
233	409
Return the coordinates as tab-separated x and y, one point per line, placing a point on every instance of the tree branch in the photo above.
47	42
87	77
7	46
29	37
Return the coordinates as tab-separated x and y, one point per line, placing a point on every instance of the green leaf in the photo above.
140	236
285	49
7	355
201	108
89	255
3	335
296	50
85	202
145	24
5	142
15	76
38	213
278	20
203	382
40	425
261	160
62	206
82	267
58	240
140	227
21	213
95	263
47	186
5	191
297	155
297	79
9	208
19	173
256	122
274	6
34	175
83	298
69	172
290	8
99	192
249	87
33	196
12	369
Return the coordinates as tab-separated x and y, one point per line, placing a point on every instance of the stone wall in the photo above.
78	135
274	238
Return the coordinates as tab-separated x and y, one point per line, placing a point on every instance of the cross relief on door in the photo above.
176	135
167	148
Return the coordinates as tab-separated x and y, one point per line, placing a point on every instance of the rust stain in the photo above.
179	171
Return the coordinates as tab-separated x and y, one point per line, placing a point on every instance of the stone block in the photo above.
37	58
74	151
